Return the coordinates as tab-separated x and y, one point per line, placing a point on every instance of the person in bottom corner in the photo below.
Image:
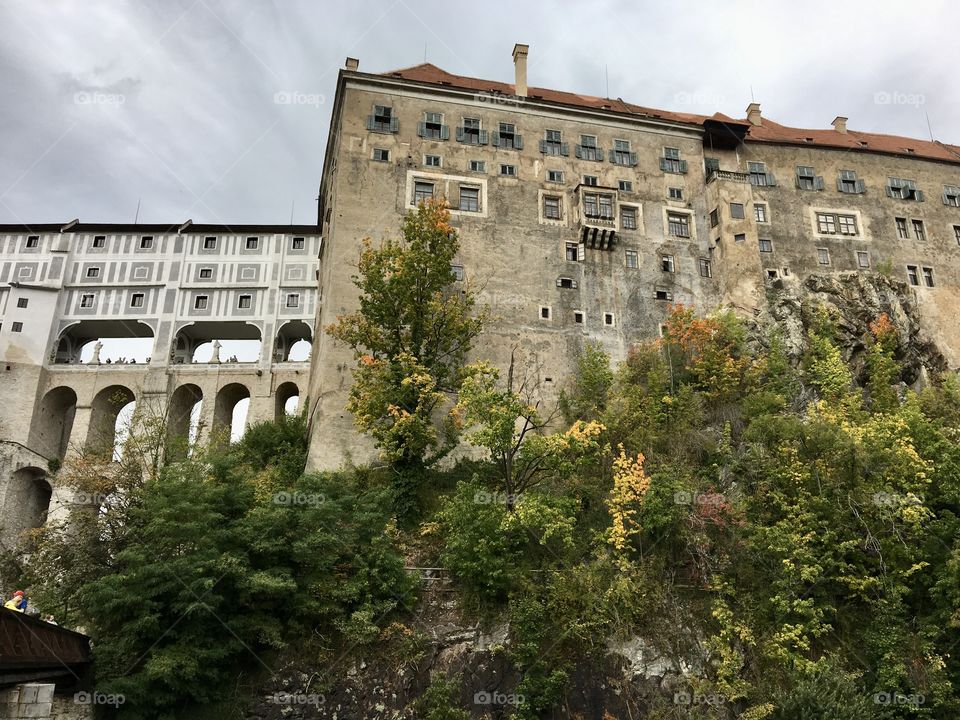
18	602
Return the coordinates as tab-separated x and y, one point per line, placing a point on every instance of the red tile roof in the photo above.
769	131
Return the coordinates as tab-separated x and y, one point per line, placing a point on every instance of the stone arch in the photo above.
292	338
125	342
102	432
225	410
183	415
284	393
235	337
27	501
53	422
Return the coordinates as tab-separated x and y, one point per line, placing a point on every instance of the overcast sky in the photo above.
104	103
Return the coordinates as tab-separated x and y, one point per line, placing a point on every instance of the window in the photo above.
773	274
900	189
506	137
902	231
590	205
666	263
544	313
136	300
566	283
293	300
832	223
552	143
608	318
206	273
632	260
863	259
760	212
678	224
433	128
572	251
298	243
99	241
606	207
928	276
93	272
704	266
951	195
471	133
847	224
478	166
714	217
578	317
422	192
759	175
431	160
469	199
956	233
807	180
245	302
86	300
253	243
381	154
736	211
555	176
621	155
740	237
918	230
21	302
671	162
913	275
457	272
33	241
628	218
508	170
823	256
146	242
209	243
587	149
590	180
663	295
625	185
766	245
675	193
551	207
847	182
382	120
200	302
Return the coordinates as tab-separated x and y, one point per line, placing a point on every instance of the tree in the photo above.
409	337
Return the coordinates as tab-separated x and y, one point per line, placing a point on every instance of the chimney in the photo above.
352	63
840	124
520	69
753	114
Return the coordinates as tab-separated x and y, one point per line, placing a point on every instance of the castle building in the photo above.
584	218
65	290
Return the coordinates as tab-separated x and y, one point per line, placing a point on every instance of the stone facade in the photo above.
178	286
567	244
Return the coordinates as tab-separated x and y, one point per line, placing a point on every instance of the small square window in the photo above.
17	327
136	300
21	302
633	260
200	302
625	185
823	256
245	302
863	259
293	300
578	317
628	218
675	193
591	180
298	243
478	166
33	241
740	237
666	263
760	212
422	192
146	242
773	274
99	241
432	160
544	313
566	283
508	170
573	252
704	266
210	243
608	319
381	155
555	176
86	300
736	211
458	274
93	272
253	243
206	273
766	245
663	295
469	199
678	224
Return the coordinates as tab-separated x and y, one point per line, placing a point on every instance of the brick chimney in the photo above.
840	124
520	69
352	63
753	114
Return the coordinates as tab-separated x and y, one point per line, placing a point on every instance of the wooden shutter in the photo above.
422	129
612	156
444	132
495	141
459	133
665	164
633	158
394	124
683	166
518	142
919	195
543	146
564	149
577	153
483	137
370	122
861	186
818	183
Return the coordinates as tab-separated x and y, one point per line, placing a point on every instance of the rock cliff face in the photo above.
856	300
